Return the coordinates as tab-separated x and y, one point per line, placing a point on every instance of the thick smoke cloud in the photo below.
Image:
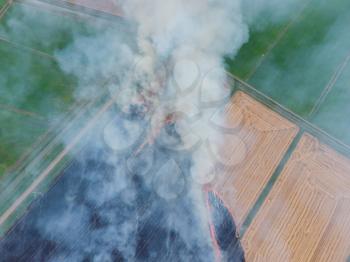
189	38
135	192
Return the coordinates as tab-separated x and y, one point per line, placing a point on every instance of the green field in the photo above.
38	109
2	2
34	91
294	60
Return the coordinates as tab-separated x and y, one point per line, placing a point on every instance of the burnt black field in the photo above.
225	230
120	210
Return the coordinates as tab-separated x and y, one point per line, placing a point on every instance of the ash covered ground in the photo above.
118	203
109	206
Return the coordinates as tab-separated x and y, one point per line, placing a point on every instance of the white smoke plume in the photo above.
180	50
169	70
189	39
111	204
175	72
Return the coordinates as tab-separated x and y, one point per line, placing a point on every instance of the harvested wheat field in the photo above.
107	6
307	215
257	141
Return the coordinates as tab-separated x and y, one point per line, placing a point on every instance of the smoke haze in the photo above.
135	192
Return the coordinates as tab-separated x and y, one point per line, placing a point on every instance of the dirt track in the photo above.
307	214
107	6
265	136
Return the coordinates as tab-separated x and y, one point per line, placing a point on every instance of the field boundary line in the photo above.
26	48
22	46
119	14
279	37
17	203
46	4
38	142
20	111
4	9
303	123
41	148
79	8
329	87
67	118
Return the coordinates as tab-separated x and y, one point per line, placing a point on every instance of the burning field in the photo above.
134	190
134	143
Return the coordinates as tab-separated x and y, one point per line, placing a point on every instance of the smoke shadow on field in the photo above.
105	208
225	231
